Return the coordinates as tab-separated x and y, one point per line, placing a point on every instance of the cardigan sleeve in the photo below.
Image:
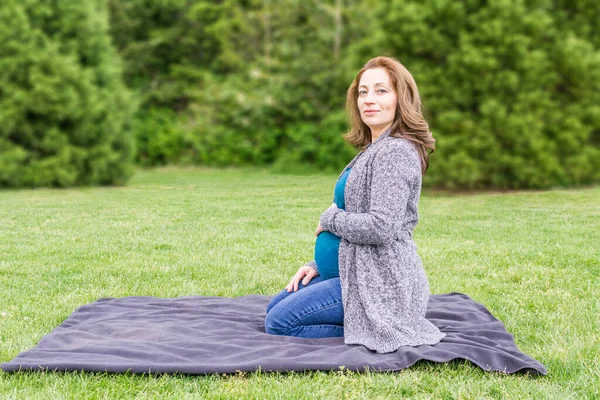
394	171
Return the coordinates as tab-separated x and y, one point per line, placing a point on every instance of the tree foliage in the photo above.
511	88
63	110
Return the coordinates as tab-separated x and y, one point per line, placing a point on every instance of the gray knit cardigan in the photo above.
384	287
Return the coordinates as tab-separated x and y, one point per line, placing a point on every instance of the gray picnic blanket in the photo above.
204	335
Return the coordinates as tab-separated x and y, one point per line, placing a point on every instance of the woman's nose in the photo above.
369	98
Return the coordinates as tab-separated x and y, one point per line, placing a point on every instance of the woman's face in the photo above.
377	100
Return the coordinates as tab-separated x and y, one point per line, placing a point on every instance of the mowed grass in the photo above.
531	257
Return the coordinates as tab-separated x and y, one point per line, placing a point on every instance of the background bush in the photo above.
511	88
63	109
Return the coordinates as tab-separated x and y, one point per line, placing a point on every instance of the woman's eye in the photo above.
362	92
382	91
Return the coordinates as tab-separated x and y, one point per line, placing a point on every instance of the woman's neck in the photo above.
376	132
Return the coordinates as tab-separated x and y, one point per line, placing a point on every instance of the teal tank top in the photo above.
328	244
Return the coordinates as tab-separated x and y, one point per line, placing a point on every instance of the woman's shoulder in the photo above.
397	155
398	147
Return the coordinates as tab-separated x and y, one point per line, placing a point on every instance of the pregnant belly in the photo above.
326	254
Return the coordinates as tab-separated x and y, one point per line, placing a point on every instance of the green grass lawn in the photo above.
532	258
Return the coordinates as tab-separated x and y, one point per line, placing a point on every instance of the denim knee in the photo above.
273	325
274	302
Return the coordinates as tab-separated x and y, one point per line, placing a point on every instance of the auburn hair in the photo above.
408	123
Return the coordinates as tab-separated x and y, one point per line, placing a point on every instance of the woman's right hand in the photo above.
305	274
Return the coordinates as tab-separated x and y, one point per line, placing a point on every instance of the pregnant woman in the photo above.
366	282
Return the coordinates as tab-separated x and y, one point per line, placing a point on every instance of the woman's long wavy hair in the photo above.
408	123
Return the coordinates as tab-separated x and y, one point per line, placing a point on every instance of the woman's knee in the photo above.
282	295
274	302
274	323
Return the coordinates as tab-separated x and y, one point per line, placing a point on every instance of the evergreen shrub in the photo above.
64	113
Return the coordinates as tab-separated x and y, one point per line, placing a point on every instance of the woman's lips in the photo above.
371	112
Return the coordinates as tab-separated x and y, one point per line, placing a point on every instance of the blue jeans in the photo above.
314	311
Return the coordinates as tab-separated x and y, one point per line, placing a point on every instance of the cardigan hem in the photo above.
379	345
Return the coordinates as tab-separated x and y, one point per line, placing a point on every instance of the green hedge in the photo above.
64	112
511	88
